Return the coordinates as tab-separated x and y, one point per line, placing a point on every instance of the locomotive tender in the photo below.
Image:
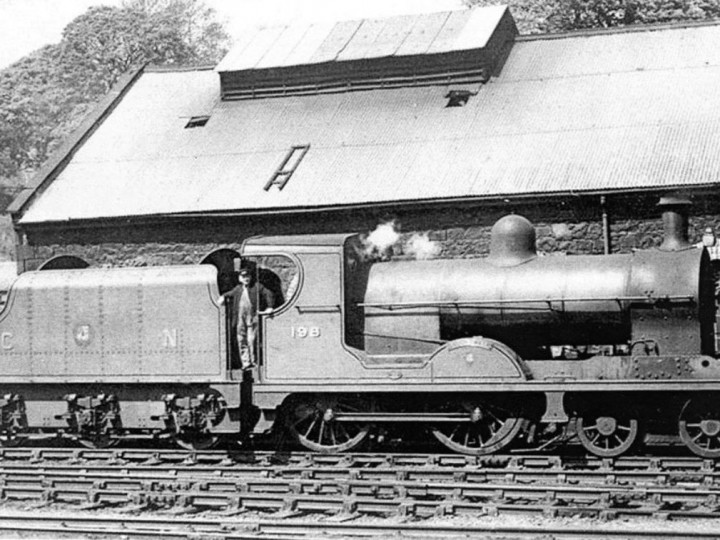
606	350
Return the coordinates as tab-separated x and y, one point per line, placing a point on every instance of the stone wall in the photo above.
571	226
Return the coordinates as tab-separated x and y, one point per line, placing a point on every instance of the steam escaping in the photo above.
419	246
379	242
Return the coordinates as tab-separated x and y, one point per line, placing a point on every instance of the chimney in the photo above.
675	222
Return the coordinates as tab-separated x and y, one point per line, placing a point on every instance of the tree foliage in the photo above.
540	16
45	95
581	14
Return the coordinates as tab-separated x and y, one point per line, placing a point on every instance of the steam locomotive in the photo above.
605	351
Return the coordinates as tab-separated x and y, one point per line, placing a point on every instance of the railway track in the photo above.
368	466
404	485
358	460
212	528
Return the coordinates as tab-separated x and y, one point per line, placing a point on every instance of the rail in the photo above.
229	528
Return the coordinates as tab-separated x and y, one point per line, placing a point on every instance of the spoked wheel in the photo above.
197	441
699	428
98	441
488	427
313	421
606	436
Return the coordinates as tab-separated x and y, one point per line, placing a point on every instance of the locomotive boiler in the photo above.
660	300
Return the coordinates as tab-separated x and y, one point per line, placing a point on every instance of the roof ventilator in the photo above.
197	121
458	98
287	167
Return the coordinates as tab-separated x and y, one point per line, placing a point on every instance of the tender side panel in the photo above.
114	324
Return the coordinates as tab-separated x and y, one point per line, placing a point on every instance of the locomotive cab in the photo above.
319	319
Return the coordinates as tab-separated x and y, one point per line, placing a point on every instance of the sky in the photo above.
26	25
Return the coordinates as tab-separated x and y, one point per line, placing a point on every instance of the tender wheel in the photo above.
12	440
98	441
313	422
197	442
489	427
699	428
606	436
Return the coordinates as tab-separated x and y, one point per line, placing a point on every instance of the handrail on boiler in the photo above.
653	300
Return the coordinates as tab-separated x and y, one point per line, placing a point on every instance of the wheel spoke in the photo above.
322	430
312	424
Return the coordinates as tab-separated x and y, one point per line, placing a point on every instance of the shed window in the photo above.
458	98
288	166
197	121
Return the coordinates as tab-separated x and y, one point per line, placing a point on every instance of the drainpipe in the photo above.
605	225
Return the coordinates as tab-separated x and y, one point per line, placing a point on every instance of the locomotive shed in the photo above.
445	124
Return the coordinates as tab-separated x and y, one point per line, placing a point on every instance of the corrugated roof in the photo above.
615	111
302	44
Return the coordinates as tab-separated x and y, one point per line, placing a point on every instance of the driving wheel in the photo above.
487	428
315	422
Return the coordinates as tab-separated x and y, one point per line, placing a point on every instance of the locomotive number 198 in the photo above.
304	331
